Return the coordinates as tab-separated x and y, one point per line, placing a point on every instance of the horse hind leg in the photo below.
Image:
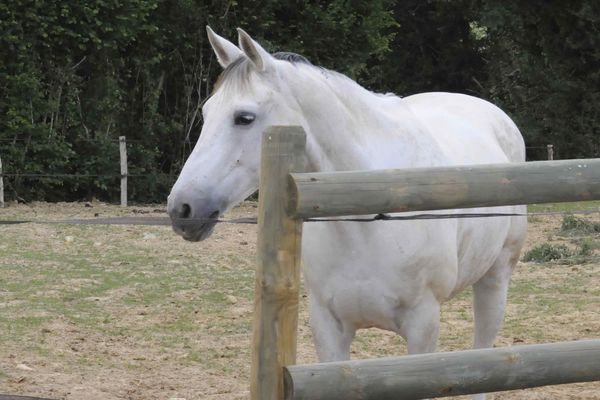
489	298
489	303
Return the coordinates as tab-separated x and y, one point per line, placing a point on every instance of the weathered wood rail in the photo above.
288	195
438	188
446	374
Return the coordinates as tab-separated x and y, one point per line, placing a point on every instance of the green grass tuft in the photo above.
572	225
587	246
584	253
547	252
565	207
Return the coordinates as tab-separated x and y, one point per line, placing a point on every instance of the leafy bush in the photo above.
543	58
74	76
547	252
572	225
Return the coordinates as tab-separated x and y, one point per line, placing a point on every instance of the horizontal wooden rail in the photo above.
446	374
327	194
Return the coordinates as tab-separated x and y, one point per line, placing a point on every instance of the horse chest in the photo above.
394	263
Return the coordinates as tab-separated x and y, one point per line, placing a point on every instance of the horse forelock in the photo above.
239	71
236	72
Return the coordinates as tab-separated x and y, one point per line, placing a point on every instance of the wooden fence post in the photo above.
550	149
123	158
1	186
278	267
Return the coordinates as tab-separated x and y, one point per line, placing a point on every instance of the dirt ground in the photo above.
135	312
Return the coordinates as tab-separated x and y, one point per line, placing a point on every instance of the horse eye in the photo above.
244	118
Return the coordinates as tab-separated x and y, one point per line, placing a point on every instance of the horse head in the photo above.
222	170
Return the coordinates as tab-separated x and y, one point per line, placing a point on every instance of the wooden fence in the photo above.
446	374
287	196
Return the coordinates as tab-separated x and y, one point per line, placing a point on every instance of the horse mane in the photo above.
237	74
239	70
294	58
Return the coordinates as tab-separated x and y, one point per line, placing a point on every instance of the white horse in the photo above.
390	275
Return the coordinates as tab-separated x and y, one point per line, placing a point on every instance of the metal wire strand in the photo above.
166	221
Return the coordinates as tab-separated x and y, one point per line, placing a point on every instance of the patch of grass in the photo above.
214	297
572	225
564	207
587	246
20	325
521	327
546	252
520	289
195	356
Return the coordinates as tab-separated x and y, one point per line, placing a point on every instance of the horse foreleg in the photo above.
331	336
421	327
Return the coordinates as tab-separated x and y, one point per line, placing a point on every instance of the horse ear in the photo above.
261	59
225	51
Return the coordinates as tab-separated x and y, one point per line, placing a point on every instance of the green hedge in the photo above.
74	76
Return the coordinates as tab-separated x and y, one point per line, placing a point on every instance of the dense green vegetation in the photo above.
74	76
582	234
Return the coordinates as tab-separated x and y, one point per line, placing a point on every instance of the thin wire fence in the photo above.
123	163
9	176
167	221
90	140
75	176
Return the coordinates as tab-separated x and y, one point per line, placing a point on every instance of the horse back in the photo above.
468	130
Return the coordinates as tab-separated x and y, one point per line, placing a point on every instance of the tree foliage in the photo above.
433	49
543	60
74	76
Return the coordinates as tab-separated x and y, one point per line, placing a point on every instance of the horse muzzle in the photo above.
191	224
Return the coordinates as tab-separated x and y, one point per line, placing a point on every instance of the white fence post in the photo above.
550	149
123	157
1	186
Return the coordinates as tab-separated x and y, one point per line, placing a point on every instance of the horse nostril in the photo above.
185	211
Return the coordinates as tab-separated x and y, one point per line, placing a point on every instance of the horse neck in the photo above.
347	125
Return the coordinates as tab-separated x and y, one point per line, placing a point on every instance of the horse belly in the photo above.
480	243
367	274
